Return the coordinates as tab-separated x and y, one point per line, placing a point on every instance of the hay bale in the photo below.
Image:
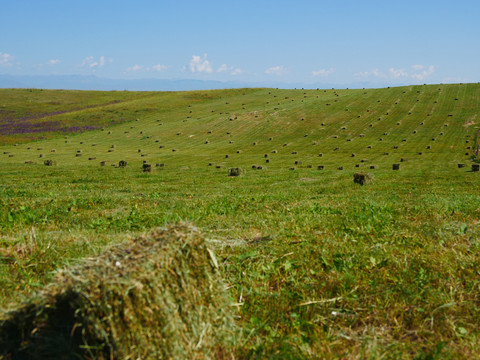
103	163
396	167
298	162
235	171
340	168
363	178
461	165
147	168
122	163
49	162
320	167
159	296
475	167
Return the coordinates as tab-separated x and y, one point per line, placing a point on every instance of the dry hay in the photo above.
363	178
235	172
49	162
159	296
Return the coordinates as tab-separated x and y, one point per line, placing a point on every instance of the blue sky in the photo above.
340	42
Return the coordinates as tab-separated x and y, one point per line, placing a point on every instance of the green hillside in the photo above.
319	267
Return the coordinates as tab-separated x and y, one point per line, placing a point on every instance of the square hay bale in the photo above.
363	178
147	168
340	168
49	162
461	165
235	171
159	296
475	167
103	163
396	167
122	164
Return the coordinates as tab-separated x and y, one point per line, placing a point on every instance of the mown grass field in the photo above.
318	266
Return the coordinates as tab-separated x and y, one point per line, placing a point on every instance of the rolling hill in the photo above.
316	265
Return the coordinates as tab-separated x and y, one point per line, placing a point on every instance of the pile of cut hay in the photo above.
156	297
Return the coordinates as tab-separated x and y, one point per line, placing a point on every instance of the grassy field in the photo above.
319	267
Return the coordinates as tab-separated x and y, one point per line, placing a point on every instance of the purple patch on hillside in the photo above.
26	127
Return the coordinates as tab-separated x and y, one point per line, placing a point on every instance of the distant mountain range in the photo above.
82	82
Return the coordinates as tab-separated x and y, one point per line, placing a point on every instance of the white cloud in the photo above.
323	72
366	74
229	69
92	63
418	73
223	68
276	70
159	67
53	62
424	74
397	73
5	59
134	68
199	64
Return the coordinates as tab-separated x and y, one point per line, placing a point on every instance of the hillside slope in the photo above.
345	126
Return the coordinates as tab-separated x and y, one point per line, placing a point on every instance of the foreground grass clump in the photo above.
157	297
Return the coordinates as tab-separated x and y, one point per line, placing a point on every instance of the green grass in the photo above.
323	267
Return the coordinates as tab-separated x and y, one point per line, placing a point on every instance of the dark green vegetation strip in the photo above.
321	267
